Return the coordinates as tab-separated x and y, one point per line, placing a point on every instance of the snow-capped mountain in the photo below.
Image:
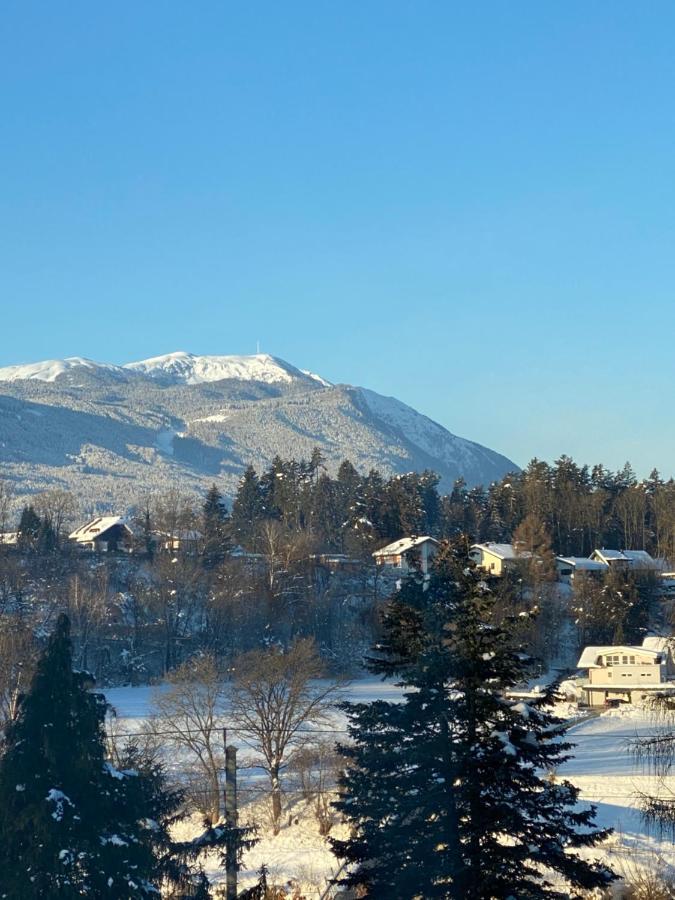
114	433
186	368
51	369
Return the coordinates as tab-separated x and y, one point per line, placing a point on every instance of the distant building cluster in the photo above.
496	558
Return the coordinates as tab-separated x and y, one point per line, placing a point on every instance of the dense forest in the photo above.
581	508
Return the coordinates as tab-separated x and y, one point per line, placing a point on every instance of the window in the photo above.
632	660
624	660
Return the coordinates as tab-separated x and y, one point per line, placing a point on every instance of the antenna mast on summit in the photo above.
257	345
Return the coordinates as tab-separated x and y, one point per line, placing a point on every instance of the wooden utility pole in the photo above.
231	818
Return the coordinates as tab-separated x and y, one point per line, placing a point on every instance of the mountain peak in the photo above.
50	369
189	368
179	367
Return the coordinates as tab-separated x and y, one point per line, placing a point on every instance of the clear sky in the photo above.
470	206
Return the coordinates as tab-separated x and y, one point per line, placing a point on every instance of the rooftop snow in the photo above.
501	551
95	528
589	656
403	546
581	562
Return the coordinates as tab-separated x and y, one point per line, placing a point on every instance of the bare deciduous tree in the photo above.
88	610
276	698
57	507
6	498
191	712
18	653
318	766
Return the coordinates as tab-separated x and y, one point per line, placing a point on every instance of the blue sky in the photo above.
469	206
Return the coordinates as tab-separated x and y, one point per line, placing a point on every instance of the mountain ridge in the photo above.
109	432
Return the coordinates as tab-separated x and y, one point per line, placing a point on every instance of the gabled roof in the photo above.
589	657
404	545
94	529
605	553
501	551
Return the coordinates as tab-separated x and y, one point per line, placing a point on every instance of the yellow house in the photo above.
493	557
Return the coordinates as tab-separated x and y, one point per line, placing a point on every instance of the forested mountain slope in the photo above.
112	433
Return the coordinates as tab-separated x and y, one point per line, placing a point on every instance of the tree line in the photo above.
580	507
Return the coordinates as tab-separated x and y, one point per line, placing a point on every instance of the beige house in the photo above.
626	673
495	558
408	554
184	541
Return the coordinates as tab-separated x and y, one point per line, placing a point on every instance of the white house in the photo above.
626	673
495	558
9	538
104	533
408	554
570	567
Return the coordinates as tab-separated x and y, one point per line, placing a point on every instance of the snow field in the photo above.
602	767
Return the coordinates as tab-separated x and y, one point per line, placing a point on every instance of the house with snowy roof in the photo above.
104	534
409	554
627	673
637	560
187	540
613	559
570	567
494	557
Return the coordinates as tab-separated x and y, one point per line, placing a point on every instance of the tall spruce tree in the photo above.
216	527
447	791
73	825
248	509
29	527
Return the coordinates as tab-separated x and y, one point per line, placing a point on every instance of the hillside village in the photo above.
302	555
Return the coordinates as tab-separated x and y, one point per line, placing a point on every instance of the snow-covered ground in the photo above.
608	775
298	856
602	767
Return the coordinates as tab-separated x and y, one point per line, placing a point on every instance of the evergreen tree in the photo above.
325	518
47	539
216	527
71	823
436	782
248	509
29	527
